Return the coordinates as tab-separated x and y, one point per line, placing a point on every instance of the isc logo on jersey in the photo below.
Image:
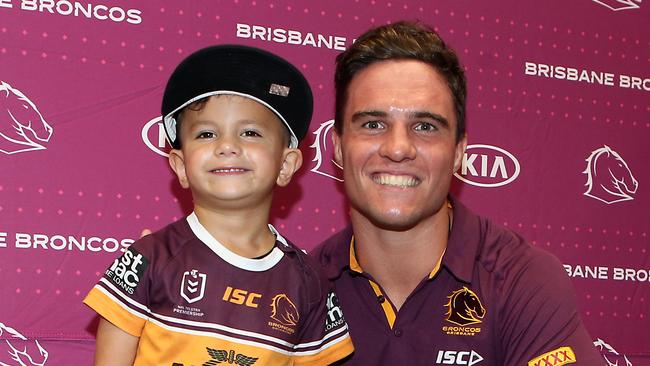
488	166
466	358
127	270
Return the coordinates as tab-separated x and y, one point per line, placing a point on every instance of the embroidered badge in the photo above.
277	89
464	308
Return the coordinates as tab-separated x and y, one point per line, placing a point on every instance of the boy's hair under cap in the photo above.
244	71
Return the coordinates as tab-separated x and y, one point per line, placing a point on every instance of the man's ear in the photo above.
460	151
338	154
177	163
291	162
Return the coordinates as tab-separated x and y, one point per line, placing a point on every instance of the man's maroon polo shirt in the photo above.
495	300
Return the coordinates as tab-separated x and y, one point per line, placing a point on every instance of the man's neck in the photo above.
400	260
244	232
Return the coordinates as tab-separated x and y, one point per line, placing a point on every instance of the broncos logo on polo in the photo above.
284	310
464	307
17	350
608	177
22	127
321	144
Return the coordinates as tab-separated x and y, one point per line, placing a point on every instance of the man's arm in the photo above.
115	347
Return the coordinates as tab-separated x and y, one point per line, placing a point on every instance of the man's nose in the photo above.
398	144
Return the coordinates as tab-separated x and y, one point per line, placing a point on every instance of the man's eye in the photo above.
373	125
205	135
425	126
251	133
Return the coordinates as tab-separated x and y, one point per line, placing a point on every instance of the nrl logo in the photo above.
464	307
609	353
17	350
609	179
23	127
617	5
193	285
324	163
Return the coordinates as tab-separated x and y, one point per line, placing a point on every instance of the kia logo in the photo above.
488	166
153	135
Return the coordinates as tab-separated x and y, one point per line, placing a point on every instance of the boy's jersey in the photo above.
191	301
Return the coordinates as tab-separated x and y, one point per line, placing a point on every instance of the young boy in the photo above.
222	285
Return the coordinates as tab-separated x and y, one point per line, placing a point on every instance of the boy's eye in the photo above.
425	126
251	133
372	125
205	135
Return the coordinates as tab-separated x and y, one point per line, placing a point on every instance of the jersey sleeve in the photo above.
324	337
540	322
121	294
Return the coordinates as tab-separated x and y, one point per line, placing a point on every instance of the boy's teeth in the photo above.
395	180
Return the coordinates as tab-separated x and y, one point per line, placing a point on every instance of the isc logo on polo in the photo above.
466	358
127	270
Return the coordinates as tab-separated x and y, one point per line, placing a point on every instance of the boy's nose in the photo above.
227	146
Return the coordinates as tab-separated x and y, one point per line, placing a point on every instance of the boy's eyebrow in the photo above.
413	115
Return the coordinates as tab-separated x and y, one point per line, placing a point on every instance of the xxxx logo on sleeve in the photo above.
557	357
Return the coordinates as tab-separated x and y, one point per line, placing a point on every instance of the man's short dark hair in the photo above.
401	41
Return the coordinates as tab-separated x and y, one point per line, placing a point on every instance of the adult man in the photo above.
422	280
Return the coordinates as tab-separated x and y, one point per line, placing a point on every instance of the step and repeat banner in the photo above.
558	124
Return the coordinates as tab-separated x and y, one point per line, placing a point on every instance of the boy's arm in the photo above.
115	347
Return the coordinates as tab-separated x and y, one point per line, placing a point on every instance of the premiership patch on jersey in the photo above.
127	270
284	314
558	357
465	310
193	285
334	317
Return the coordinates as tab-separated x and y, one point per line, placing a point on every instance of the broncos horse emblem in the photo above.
464	307
17	350
608	177
22	127
321	143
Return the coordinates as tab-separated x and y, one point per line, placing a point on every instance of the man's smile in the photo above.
402	181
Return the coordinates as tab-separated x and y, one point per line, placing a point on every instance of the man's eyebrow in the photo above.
437	117
371	113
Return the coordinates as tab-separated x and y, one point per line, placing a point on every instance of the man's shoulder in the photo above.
333	253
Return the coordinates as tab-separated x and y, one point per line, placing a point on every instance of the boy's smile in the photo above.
232	154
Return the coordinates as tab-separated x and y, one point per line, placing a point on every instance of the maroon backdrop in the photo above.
558	122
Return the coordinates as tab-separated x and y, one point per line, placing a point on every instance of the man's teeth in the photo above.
395	180
228	170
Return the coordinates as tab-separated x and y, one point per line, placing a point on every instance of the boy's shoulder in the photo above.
166	242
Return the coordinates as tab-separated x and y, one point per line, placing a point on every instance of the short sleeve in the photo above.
324	337
540	322
121	294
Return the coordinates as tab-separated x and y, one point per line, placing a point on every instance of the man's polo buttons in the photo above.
381	299
398	332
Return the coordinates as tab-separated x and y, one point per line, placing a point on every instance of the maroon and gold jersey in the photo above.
191	301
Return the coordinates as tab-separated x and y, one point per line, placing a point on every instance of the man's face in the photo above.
398	146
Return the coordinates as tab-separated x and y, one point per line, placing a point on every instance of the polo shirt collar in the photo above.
463	244
459	257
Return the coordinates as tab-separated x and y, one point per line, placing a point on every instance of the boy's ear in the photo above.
291	162
338	155
177	163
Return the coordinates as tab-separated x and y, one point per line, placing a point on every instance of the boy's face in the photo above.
233	153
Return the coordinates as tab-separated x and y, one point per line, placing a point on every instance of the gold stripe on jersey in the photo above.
162	343
388	308
112	311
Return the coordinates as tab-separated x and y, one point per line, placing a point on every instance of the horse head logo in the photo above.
17	350
464	307
284	311
609	353
22	127
321	144
608	177
617	5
